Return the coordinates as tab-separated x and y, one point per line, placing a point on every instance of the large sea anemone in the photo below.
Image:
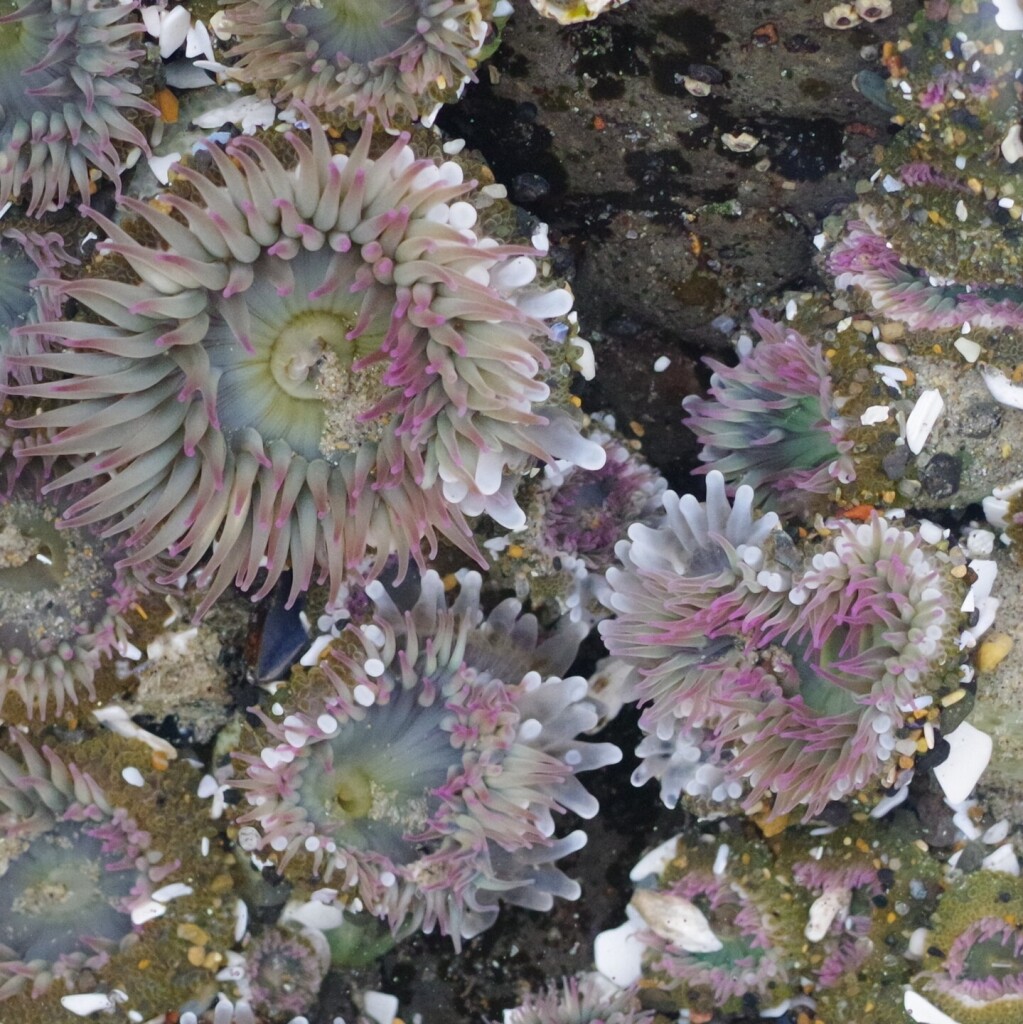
97	905
772	421
67	98
306	358
418	766
796	689
397	60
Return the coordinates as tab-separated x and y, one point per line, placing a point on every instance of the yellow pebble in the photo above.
196	955
993	652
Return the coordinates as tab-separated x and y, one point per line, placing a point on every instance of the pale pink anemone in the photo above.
67	98
772	421
588	999
315	362
397	60
774	674
421	772
864	258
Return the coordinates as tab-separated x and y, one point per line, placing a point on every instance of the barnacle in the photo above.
322	358
418	765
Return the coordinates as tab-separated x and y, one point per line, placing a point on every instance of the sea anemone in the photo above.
94	888
68	102
772	421
974	963
314	362
418	766
865	258
65	602
684	592
785	673
715	923
284	969
587	999
574	518
397	60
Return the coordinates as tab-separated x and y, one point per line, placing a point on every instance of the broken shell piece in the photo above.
676	920
1002	389
969	754
831	904
967	348
1009	15
1012	144
742	143
921	421
695	87
922	1011
571	12
873	10
841	16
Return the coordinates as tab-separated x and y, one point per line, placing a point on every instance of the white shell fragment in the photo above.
832	903
874	414
968	756
969	350
85	1003
677	920
618	954
1012	144
380	1007
654	862
923	1011
929	406
1001	388
1003	859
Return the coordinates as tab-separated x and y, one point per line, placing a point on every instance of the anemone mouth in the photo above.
63	601
985	962
327	361
65	97
395	59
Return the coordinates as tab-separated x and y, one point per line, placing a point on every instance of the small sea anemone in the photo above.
772	421
315	362
865	258
93	885
974	962
397	60
417	767
65	603
574	519
587	999
716	923
68	101
284	969
572	12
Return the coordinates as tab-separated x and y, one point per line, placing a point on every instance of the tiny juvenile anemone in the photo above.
327	360
796	688
67	98
974	963
772	421
587	999
418	766
397	60
93	889
574	519
65	603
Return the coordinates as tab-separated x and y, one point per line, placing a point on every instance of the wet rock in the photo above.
982	419
940	477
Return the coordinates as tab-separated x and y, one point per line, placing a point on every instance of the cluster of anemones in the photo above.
324	358
772	421
788	671
417	766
